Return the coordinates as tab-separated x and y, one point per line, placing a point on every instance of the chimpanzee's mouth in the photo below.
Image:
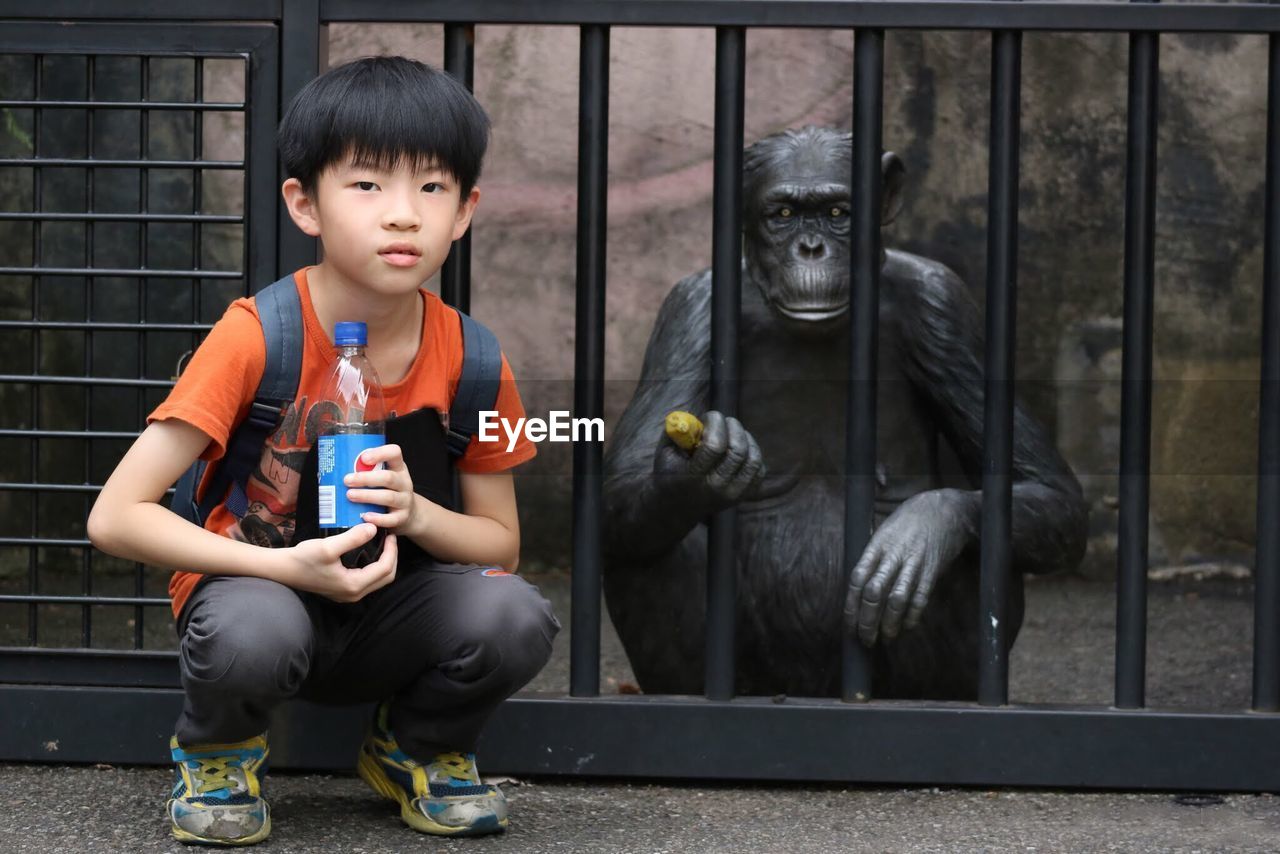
813	313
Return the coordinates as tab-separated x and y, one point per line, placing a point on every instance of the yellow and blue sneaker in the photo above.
217	799
445	796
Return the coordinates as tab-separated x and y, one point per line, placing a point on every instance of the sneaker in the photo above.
217	799
444	797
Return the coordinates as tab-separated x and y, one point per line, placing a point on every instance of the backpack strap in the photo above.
280	312
477	386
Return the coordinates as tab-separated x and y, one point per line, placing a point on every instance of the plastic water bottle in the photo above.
352	412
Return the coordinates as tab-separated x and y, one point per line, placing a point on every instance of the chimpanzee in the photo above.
913	597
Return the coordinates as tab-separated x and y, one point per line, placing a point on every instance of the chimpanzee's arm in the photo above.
645	514
943	336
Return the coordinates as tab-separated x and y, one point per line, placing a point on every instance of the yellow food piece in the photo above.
684	428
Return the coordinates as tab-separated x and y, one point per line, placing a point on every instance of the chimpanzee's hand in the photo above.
725	465
902	563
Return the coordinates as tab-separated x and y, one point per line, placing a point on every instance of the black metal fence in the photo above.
118	703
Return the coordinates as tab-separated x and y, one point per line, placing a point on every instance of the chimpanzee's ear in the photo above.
894	175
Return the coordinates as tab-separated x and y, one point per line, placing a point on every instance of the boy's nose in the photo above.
401	221
401	215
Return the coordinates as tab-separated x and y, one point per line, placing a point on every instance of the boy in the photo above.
382	156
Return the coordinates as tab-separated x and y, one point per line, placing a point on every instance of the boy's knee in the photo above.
257	646
512	630
521	617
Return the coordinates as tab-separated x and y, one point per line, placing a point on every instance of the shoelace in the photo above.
456	766
214	772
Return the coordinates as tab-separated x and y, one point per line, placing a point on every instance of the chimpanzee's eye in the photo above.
785	213
837	212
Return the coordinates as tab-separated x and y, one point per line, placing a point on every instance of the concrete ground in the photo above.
79	809
1199	643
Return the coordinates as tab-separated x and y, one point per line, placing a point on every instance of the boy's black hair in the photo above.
384	112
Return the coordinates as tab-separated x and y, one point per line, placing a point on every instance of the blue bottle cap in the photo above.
350	333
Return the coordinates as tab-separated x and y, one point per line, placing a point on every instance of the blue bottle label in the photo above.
338	456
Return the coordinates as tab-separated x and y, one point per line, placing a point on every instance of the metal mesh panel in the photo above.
122	238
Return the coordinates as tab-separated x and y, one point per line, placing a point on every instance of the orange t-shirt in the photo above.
217	388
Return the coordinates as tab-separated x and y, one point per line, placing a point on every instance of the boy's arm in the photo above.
128	521
488	532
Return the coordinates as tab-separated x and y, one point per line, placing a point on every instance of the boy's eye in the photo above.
366	186
431	187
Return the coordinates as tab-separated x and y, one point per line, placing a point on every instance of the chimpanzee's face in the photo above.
797	237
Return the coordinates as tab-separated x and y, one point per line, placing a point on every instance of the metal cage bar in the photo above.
86	567
102	326
304	51
44	669
875	14
1135	421
118	163
43	541
726	306
78	488
588	371
197	187
1073	15
209	107
262	94
667	737
210	10
860	426
144	92
460	61
142	273
48	379
84	599
1266	575
67	434
1001	316
33	569
42	216
197	262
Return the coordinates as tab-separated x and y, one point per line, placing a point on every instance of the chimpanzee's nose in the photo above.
811	247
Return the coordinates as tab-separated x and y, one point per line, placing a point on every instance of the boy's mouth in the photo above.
400	254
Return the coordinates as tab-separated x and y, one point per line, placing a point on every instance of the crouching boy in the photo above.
383	156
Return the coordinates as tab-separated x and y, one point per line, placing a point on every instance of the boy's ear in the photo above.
302	208
466	209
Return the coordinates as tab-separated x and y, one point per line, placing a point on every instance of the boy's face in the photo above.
389	231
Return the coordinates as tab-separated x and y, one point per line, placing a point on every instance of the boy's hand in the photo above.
319	566
390	487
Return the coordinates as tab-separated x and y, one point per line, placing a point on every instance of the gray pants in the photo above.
445	643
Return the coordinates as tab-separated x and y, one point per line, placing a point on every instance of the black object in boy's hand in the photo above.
361	555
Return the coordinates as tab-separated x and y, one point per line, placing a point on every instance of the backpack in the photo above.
280	311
